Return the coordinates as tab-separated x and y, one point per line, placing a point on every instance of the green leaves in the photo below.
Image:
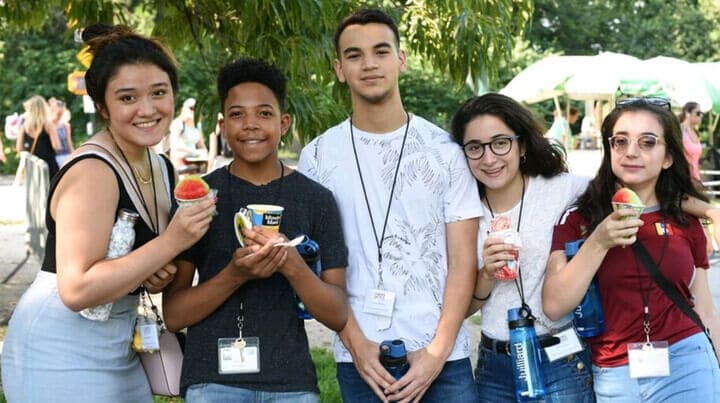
463	40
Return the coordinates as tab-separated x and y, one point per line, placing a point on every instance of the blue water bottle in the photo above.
526	356
588	316
393	357
310	252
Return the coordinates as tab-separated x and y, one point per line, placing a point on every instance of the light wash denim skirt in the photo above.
52	354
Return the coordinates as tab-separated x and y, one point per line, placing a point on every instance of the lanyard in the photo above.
518	280
379	242
645	292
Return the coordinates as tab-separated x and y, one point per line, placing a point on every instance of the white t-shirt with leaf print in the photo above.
434	187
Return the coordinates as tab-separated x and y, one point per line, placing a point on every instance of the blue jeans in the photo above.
567	379
454	383
694	377
216	393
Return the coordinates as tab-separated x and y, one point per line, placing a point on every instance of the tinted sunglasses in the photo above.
654	101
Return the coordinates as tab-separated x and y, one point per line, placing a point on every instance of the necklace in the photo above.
153	225
142	180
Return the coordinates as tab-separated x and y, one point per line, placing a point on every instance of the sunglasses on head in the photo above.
654	101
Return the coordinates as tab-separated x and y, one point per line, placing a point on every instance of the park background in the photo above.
455	49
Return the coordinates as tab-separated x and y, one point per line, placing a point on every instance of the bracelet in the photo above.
476	298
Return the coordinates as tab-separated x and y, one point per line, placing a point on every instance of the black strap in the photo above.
671	291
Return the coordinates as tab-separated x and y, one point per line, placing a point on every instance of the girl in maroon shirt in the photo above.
643	151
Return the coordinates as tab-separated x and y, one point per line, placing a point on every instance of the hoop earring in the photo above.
523	159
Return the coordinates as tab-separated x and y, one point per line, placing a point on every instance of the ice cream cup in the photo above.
509	271
266	215
637	207
187	203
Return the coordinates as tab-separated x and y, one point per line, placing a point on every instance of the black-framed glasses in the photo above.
646	142
654	101
499	146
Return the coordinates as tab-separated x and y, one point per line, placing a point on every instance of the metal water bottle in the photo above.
588	316
122	238
393	357
310	252
526	356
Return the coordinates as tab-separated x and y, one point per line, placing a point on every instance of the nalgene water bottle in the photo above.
310	252
588	316
526	356
393	357
122	238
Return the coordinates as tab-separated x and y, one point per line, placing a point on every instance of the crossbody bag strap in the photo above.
669	290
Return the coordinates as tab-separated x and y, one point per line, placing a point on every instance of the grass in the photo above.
324	364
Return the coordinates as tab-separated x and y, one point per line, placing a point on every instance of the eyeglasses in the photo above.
654	101
646	142
499	146
699	114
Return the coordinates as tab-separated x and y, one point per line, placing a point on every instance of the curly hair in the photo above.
541	157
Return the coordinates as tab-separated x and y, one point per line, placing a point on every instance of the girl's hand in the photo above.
189	224
495	255
618	229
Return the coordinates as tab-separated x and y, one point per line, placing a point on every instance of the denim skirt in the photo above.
52	354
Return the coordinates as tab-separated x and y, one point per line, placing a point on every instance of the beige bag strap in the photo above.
108	151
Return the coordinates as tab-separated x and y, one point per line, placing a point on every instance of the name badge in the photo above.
150	338
239	355
380	303
569	344
649	360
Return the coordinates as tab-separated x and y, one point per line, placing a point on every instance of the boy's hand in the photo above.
257	262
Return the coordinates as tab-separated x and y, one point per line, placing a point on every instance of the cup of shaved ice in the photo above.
626	198
191	190
500	228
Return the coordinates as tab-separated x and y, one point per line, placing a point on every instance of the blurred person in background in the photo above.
690	117
60	117
186	139
38	135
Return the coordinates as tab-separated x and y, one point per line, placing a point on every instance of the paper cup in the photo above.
241	221
266	215
187	203
509	271
637	207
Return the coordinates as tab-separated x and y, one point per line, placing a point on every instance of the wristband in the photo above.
476	298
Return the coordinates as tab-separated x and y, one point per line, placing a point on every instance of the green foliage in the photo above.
460	39
431	95
686	29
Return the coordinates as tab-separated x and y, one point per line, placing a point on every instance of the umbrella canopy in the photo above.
673	78
544	79
601	77
605	75
711	73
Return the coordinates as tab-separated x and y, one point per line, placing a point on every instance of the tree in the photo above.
460	38
686	29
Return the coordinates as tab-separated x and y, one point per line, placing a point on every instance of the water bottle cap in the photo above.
519	317
128	215
572	248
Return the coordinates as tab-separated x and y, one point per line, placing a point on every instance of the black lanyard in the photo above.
379	242
645	292
518	280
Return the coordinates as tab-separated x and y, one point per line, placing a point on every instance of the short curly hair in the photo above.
252	70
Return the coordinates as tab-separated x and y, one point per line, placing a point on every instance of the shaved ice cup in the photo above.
509	271
187	203
637	207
